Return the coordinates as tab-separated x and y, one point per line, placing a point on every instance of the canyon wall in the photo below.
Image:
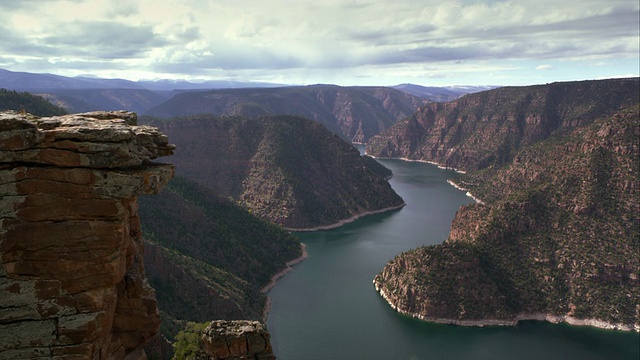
355	113
72	281
489	128
556	238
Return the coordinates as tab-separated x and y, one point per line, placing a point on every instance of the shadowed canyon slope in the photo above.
355	113
488	128
72	282
556	237
286	169
207	257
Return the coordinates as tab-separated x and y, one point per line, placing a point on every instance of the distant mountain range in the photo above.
88	93
440	94
34	82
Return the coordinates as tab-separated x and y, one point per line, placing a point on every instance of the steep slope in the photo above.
208	258
556	239
286	169
24	101
489	128
355	113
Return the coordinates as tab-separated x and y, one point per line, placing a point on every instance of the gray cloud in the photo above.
102	40
200	37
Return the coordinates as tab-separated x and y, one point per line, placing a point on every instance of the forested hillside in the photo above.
206	257
24	101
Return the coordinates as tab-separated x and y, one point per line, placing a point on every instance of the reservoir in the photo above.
327	307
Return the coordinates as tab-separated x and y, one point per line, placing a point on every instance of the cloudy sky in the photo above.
346	42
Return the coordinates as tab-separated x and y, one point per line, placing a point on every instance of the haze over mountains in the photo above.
33	82
88	93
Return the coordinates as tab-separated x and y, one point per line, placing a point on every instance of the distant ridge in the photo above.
355	113
440	94
38	82
90	93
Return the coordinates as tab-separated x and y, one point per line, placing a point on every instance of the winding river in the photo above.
327	307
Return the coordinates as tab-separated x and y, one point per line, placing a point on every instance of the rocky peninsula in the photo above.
556	235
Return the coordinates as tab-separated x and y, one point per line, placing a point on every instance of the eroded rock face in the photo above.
234	340
489	128
72	281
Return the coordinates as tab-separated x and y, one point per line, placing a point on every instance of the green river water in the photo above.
327	307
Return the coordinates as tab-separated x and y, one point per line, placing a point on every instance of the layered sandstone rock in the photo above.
235	340
72	281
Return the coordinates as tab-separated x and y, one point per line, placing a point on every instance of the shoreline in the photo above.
440	166
274	279
289	264
283	272
554	319
346	221
467	192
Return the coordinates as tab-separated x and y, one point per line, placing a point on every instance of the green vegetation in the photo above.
314	176
206	257
24	101
188	341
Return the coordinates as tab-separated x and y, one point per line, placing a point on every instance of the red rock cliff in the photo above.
72	281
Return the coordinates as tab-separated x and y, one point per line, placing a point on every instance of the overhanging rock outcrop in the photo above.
72	281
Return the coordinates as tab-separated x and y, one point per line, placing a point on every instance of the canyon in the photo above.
72	274
555	234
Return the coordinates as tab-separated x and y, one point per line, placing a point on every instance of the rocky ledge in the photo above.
235	340
72	281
